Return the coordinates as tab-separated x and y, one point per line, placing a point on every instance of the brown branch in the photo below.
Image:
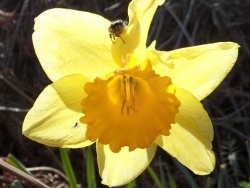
22	175
17	90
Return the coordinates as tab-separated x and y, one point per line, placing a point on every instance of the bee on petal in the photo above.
116	28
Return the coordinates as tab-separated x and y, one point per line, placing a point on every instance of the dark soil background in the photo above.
179	23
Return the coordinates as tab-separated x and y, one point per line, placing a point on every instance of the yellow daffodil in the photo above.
125	97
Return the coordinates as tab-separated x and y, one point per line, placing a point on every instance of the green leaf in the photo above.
131	184
221	176
154	177
186	173
244	184
68	168
162	174
16	163
208	184
16	184
248	151
172	182
90	168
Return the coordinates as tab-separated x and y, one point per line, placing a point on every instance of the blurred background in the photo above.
176	24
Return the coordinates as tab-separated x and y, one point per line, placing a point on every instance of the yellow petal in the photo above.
158	58
140	14
190	138
199	69
120	168
54	118
69	42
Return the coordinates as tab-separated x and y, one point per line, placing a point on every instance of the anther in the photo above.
128	93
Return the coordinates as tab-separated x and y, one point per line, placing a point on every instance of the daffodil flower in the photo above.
122	95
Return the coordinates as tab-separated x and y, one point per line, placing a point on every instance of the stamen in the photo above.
128	93
132	92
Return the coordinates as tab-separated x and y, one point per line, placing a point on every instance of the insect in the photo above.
76	125
116	28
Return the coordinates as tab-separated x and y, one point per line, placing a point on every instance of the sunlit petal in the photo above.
69	42
140	14
54	118
199	69
190	138
120	168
